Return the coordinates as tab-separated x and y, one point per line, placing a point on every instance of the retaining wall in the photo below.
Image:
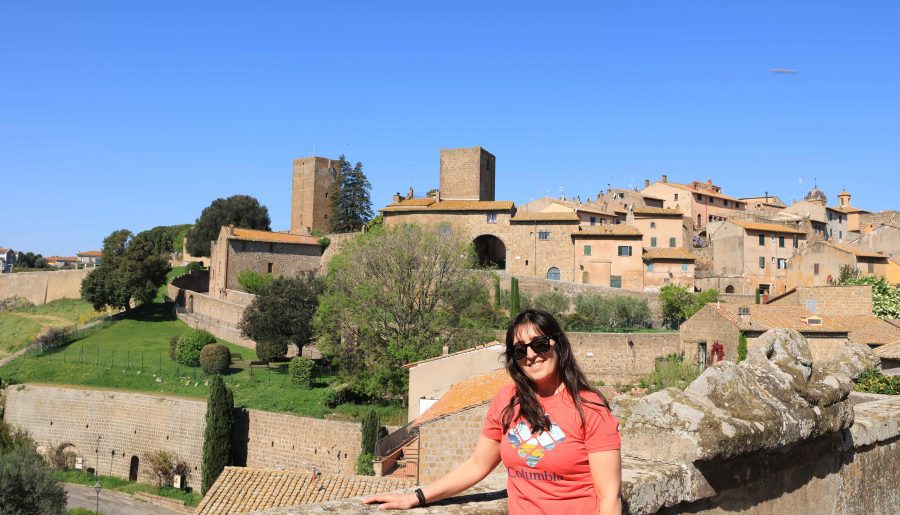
43	287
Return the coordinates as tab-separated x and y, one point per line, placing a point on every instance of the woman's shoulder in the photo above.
505	393
591	400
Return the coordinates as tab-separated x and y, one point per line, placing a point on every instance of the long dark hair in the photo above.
567	369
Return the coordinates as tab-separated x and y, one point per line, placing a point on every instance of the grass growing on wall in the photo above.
132	354
116	484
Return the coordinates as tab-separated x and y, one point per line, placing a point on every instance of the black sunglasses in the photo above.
540	345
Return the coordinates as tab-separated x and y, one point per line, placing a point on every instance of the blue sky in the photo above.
135	114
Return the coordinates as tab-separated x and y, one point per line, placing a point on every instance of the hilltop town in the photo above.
788	311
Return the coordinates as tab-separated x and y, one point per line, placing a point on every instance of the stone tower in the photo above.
844	199
313	179
467	174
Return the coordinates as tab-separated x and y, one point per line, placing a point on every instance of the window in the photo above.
269	268
762	262
725	202
553	274
676	196
782	263
649	267
871	267
796	242
543	235
624	250
829	216
841	235
815	269
672	242
762	240
699	197
781	241
653	225
615	281
492	218
684	267
653	241
593	220
587	250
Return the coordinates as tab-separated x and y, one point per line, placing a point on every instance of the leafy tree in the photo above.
394	296
679	304
25	260
552	302
238	210
350	198
165	239
27	485
885	296
217	437
254	282
283	312
133	268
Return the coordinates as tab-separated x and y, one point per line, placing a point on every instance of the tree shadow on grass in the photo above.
152	312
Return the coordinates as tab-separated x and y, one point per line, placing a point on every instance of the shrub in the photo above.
215	358
271	350
364	465
53	337
301	371
10	438
254	282
742	348
672	371
190	345
61	457
163	466
371	430
576	322
193	266
13	303
552	302
339	394
27	485
173	348
873	381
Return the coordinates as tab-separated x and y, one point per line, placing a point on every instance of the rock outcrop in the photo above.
775	398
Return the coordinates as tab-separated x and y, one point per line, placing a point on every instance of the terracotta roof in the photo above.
466	394
756	226
464	351
271	237
63	259
663	211
88	253
856	251
868	329
677	253
850	209
889	351
454	205
545	216
773	316
242	490
702	192
3	250
587	208
607	230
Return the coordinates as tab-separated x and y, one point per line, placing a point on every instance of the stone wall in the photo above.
831	300
467	174
445	442
218	316
703	330
287	259
132	424
43	287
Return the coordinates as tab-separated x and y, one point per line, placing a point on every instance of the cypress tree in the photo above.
217	438
497	293
370	427
513	297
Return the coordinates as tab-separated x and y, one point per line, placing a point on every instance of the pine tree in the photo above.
217	438
514	297
370	426
350	198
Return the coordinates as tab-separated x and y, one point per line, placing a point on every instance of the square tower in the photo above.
467	174
313	181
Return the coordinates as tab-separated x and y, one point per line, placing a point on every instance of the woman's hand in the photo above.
393	501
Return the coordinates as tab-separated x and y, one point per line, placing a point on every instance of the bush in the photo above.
190	345
339	394
873	381
370	428
163	466
254	282
576	322
679	304
27	485
10	438
173	348
742	348
193	266
301	371
215	358
671	371
552	302
61	457
364	465
54	337
271	351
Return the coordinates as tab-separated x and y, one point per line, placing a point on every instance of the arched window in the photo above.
729	289
553	273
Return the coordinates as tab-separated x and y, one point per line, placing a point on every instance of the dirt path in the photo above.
45	319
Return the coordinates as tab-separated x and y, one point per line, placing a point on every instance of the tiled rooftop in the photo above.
704	192
756	226
889	351
271	237
868	329
545	216
770	316
88	253
242	490
658	211
856	251
678	253
607	230
466	394
61	259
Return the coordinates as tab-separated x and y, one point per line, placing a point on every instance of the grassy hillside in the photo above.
21	326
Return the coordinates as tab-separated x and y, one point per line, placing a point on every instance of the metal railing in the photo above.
394	441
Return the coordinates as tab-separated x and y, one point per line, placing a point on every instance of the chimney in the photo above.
396	198
709	184
608	187
767	197
646	183
437	195
665	178
410	193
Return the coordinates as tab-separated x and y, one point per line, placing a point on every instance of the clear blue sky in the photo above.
135	114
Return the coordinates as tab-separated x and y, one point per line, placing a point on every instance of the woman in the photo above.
557	439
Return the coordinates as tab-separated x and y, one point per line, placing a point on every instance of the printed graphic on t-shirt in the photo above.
532	447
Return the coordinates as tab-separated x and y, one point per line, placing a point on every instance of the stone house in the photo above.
884	239
89	257
769	204
661	227
275	253
750	257
630	199
820	263
664	266
62	261
826	222
608	255
7	260
701	202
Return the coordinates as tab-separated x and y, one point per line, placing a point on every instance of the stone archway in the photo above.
490	250
133	468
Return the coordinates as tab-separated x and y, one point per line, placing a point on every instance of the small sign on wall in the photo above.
78	463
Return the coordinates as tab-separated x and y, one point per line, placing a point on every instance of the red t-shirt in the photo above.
549	472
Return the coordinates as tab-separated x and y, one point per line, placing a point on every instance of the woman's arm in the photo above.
606	470
483	460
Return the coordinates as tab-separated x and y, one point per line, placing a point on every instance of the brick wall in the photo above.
467	173
132	424
832	300
43	287
709	327
218	316
445	442
285	259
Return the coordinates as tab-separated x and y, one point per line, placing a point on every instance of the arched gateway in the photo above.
490	250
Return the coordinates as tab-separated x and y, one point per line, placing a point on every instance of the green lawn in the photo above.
132	354
173	273
19	327
120	485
